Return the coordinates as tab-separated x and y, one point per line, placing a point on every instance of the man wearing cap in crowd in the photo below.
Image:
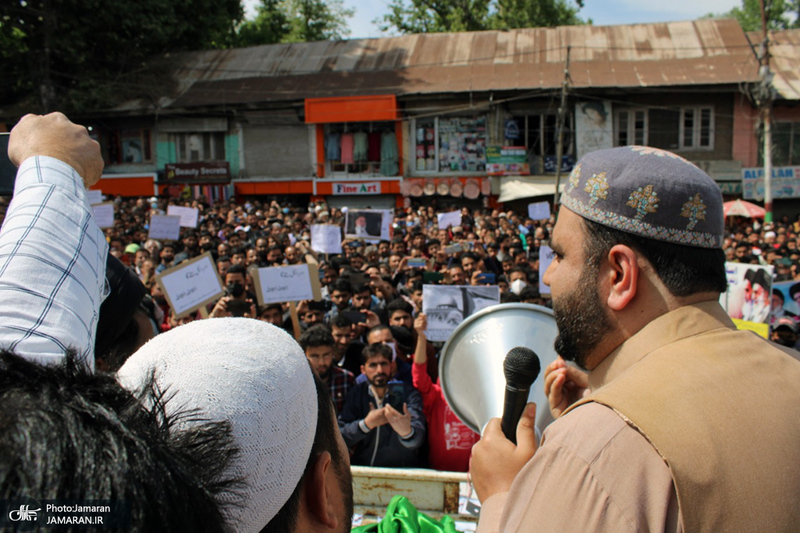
656	439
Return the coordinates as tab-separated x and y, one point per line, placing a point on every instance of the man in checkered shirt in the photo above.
52	253
319	346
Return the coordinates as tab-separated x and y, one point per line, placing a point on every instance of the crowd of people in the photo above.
256	422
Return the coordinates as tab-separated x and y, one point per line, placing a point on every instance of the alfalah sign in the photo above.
356	188
206	172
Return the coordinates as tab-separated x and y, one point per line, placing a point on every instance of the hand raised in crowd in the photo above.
371	321
564	385
55	136
376	417
221	308
400	422
496	461
421	324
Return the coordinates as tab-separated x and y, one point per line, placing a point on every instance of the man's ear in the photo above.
320	488
622	276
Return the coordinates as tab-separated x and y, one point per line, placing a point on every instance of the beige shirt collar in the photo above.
679	324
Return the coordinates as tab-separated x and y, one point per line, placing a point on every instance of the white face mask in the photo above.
517	286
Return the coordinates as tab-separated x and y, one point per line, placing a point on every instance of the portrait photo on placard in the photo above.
364	224
749	294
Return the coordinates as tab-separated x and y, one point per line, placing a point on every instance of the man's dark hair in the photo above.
342	285
315	336
399	304
416	286
224	259
341	321
684	270
71	434
237	269
325	440
376	350
239	250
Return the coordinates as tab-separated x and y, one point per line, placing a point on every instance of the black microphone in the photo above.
521	367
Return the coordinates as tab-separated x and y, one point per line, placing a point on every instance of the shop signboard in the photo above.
200	172
785	182
507	161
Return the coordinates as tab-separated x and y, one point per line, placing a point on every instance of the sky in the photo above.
602	12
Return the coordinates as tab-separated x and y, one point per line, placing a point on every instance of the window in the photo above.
631	126
785	143
126	146
201	146
538	133
355	149
690	128
453	144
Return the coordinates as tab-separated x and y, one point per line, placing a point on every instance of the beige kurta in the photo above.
596	471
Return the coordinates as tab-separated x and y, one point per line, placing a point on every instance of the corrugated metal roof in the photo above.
784	49
702	52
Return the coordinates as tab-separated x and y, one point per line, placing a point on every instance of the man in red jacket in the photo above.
449	439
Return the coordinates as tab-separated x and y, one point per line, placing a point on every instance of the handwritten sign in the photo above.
104	214
164	227
188	215
287	284
191	285
326	239
449	219
545	258
539	211
94	196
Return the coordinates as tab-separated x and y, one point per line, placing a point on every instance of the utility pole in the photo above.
765	103
562	111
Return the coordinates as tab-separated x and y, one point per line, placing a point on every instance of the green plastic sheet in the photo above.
403	517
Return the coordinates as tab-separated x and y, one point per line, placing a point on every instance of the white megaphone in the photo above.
471	362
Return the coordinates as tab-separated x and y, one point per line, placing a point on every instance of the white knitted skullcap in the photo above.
254	375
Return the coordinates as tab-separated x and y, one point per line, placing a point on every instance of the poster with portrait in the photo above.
367	224
749	296
785	300
448	305
594	128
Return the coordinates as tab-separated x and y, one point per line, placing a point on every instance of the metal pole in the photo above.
766	110
560	144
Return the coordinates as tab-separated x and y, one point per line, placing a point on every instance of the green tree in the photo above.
777	14
270	26
81	55
427	16
317	20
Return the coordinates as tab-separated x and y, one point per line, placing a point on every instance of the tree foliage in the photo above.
281	21
79	55
779	14
428	16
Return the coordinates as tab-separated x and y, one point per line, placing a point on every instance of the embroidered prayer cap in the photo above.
253	375
648	192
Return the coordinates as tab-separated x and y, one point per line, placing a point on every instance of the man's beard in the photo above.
379	380
581	319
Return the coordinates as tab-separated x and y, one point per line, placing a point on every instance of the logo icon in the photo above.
24	514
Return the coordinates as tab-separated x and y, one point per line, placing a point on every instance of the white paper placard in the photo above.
448	305
104	214
191	285
539	211
164	227
94	196
287	284
445	220
545	258
189	215
326	238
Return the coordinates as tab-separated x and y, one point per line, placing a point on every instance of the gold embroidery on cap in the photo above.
597	187
574	178
694	210
644	200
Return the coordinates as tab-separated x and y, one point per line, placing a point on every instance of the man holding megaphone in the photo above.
690	425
